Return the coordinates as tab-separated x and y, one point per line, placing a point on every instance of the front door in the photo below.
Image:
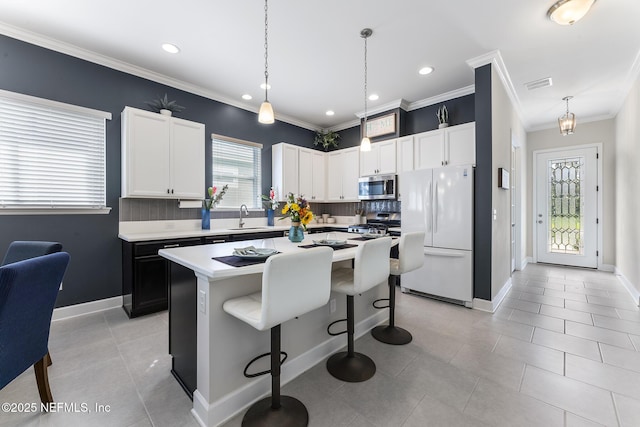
566	207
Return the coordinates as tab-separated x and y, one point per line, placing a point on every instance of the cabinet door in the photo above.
429	149
145	154
460	144
369	161
187	159
387	157
404	154
319	176
305	168
334	176
350	160
151	284
284	169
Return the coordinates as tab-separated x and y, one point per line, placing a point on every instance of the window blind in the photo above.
50	156
237	163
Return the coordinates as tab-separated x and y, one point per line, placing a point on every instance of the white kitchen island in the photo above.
225	344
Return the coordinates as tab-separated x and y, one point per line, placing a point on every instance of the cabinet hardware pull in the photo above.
218	241
175	245
168	192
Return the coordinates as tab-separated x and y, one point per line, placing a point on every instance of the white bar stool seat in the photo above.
371	267
410	257
283	297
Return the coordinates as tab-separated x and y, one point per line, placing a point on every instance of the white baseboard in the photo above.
230	405
86	308
635	294
607	267
524	262
492	306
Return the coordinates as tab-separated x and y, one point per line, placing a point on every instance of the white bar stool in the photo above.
410	257
371	267
282	298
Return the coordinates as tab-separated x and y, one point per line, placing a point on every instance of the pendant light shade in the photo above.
567	122
568	12
266	115
365	144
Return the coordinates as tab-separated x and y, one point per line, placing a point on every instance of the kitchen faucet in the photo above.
246	211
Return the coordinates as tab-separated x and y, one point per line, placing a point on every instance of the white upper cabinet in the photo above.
451	146
162	156
312	169
380	160
342	175
404	154
284	169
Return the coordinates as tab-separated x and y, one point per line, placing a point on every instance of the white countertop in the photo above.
140	231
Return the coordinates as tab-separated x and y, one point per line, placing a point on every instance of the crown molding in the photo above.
495	59
78	52
632	77
457	93
398	103
581	120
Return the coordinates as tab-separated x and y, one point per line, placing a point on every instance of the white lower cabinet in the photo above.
162	156
342	175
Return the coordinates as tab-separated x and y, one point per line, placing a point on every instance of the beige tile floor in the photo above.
562	350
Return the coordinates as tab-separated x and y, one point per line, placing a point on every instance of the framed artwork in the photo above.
381	125
503	178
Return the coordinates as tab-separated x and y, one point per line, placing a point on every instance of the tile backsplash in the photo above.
164	210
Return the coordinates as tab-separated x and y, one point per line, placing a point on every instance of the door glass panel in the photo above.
565	234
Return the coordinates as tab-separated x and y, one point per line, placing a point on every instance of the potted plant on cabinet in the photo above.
443	117
164	106
328	139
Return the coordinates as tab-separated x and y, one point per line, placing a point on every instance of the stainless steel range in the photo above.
380	221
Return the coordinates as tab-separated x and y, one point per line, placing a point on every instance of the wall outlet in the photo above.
332	305
202	302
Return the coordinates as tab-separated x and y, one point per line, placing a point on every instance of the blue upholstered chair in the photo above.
28	291
25	249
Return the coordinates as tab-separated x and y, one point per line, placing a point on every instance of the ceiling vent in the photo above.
540	83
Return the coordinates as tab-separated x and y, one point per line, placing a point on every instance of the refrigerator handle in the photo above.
431	210
435	228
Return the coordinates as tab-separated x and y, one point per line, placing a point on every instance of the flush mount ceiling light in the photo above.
568	12
171	48
425	70
266	110
365	144
567	122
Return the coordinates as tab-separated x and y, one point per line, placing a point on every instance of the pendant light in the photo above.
568	121
266	115
568	12
365	144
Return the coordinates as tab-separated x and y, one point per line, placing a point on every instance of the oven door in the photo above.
377	187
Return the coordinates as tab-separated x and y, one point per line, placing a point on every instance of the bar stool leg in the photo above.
349	365
276	410
391	334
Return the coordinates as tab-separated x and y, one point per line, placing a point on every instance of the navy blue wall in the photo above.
92	240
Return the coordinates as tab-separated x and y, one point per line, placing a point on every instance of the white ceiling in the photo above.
316	52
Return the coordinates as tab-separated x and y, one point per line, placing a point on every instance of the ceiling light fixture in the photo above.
247	97
373	97
171	48
365	144
568	12
426	70
567	122
266	110
330	113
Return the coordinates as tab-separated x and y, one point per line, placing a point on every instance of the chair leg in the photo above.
392	334
349	365
42	379
276	410
48	359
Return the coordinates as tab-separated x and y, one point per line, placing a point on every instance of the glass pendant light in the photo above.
365	144
567	122
266	115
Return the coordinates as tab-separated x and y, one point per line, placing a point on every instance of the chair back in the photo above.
371	266
295	283
24	249
411	251
28	291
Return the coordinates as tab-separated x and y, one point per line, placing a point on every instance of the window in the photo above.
237	163
52	155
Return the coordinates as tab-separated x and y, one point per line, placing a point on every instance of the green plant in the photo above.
328	139
164	104
443	114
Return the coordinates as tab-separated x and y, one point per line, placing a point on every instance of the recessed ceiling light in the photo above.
329	113
171	48
373	97
268	86
425	70
247	96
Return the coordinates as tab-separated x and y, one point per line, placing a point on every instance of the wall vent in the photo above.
537	84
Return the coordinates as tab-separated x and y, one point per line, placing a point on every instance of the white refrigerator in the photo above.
440	202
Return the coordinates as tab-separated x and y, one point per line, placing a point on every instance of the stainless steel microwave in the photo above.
377	187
